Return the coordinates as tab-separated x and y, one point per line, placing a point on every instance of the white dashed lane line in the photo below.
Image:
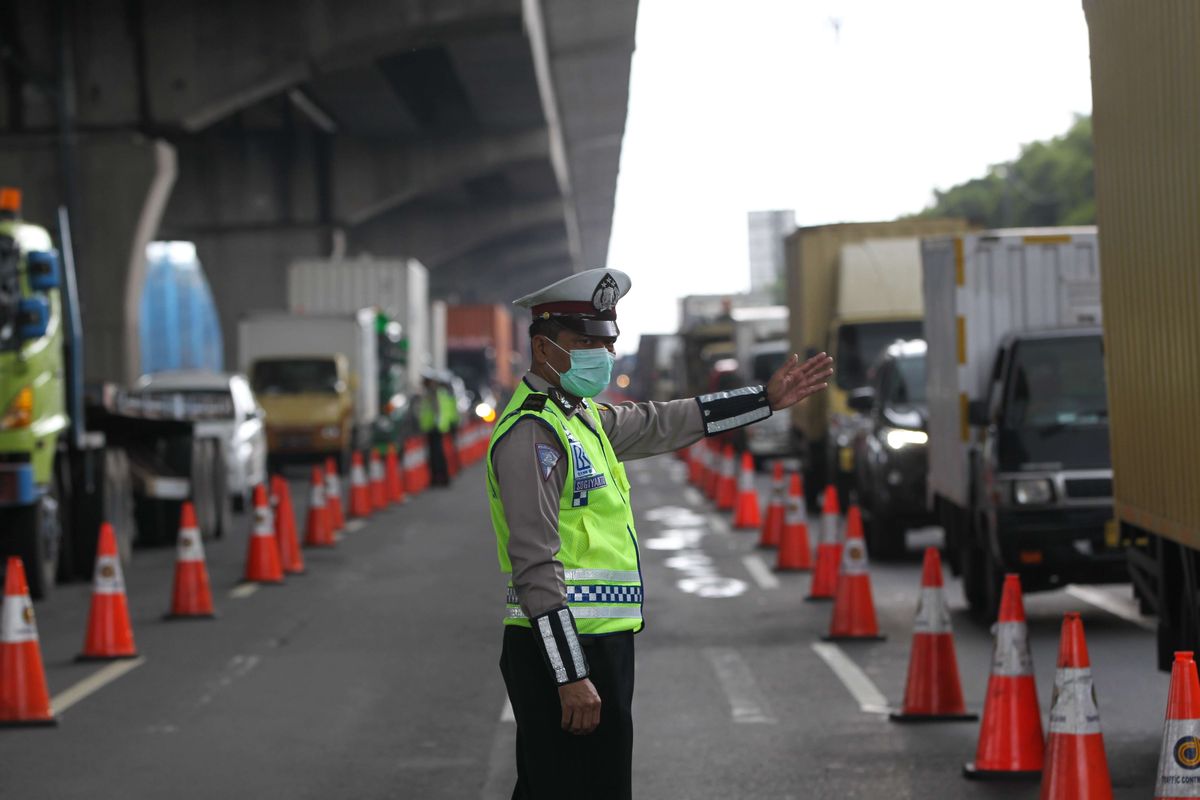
1105	601
243	590
746	701
865	693
93	683
761	573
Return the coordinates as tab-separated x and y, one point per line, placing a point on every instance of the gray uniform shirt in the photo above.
635	430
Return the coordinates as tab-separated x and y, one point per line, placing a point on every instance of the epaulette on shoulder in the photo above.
534	402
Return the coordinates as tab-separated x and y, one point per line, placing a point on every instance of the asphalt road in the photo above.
375	674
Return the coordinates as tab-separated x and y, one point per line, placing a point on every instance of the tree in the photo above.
1050	183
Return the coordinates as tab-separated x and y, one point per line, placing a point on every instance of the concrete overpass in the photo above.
480	136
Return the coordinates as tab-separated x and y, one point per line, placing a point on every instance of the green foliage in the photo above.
1050	183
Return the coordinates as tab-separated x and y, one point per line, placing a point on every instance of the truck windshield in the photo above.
906	385
1057	383
860	345
296	376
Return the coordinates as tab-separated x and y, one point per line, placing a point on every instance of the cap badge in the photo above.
607	292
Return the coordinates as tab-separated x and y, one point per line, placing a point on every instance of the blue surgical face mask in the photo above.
590	371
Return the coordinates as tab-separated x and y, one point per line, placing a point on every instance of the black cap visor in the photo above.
588	326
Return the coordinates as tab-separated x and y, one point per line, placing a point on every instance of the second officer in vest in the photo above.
566	535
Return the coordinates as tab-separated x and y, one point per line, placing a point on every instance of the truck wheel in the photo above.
40	526
200	476
885	538
983	582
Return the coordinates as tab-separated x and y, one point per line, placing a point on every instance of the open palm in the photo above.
795	381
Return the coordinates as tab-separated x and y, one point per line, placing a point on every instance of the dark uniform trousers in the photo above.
439	474
551	763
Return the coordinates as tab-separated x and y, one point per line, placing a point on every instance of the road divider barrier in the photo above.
1076	766
24	697
191	594
318	531
360	492
745	514
772	527
109	632
794	551
262	552
1010	746
392	477
853	614
829	549
285	527
933	691
451	455
1180	755
333	496
414	465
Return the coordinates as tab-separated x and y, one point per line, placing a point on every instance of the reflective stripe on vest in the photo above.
598	541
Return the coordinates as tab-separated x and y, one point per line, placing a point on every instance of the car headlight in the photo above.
19	413
331	431
483	410
1032	492
898	438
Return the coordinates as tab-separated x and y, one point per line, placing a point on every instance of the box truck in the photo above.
1144	68
852	290
1019	469
315	376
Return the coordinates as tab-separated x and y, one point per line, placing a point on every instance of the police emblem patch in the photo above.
606	294
547	458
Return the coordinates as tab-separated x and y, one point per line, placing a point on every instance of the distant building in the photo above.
767	231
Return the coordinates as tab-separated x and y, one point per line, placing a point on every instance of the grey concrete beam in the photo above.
373	177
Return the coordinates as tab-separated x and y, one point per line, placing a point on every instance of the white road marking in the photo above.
354	525
760	572
1106	602
865	693
238	667
243	590
693	497
718	524
506	713
93	683
745	699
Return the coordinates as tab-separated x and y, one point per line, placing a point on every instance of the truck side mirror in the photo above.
33	318
42	268
977	414
861	400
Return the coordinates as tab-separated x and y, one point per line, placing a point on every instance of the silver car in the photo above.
237	421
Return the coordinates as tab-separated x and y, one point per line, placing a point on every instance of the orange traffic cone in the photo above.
772	529
333	496
829	550
1180	754
24	698
853	606
933	691
695	463
109	634
285	527
794	552
746	514
262	553
317	530
727	483
1076	766
392	476
360	492
378	479
191	597
1010	737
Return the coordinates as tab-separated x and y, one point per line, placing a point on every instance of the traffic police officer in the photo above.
566	536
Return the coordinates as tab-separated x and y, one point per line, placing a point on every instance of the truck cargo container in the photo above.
178	326
1019	470
479	346
316	378
760	345
852	289
1145	81
397	287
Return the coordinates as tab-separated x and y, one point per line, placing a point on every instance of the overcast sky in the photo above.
758	104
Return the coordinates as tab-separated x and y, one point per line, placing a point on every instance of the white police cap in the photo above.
585	302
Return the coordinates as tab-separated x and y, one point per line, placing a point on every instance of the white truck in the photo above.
1019	469
316	377
760	344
